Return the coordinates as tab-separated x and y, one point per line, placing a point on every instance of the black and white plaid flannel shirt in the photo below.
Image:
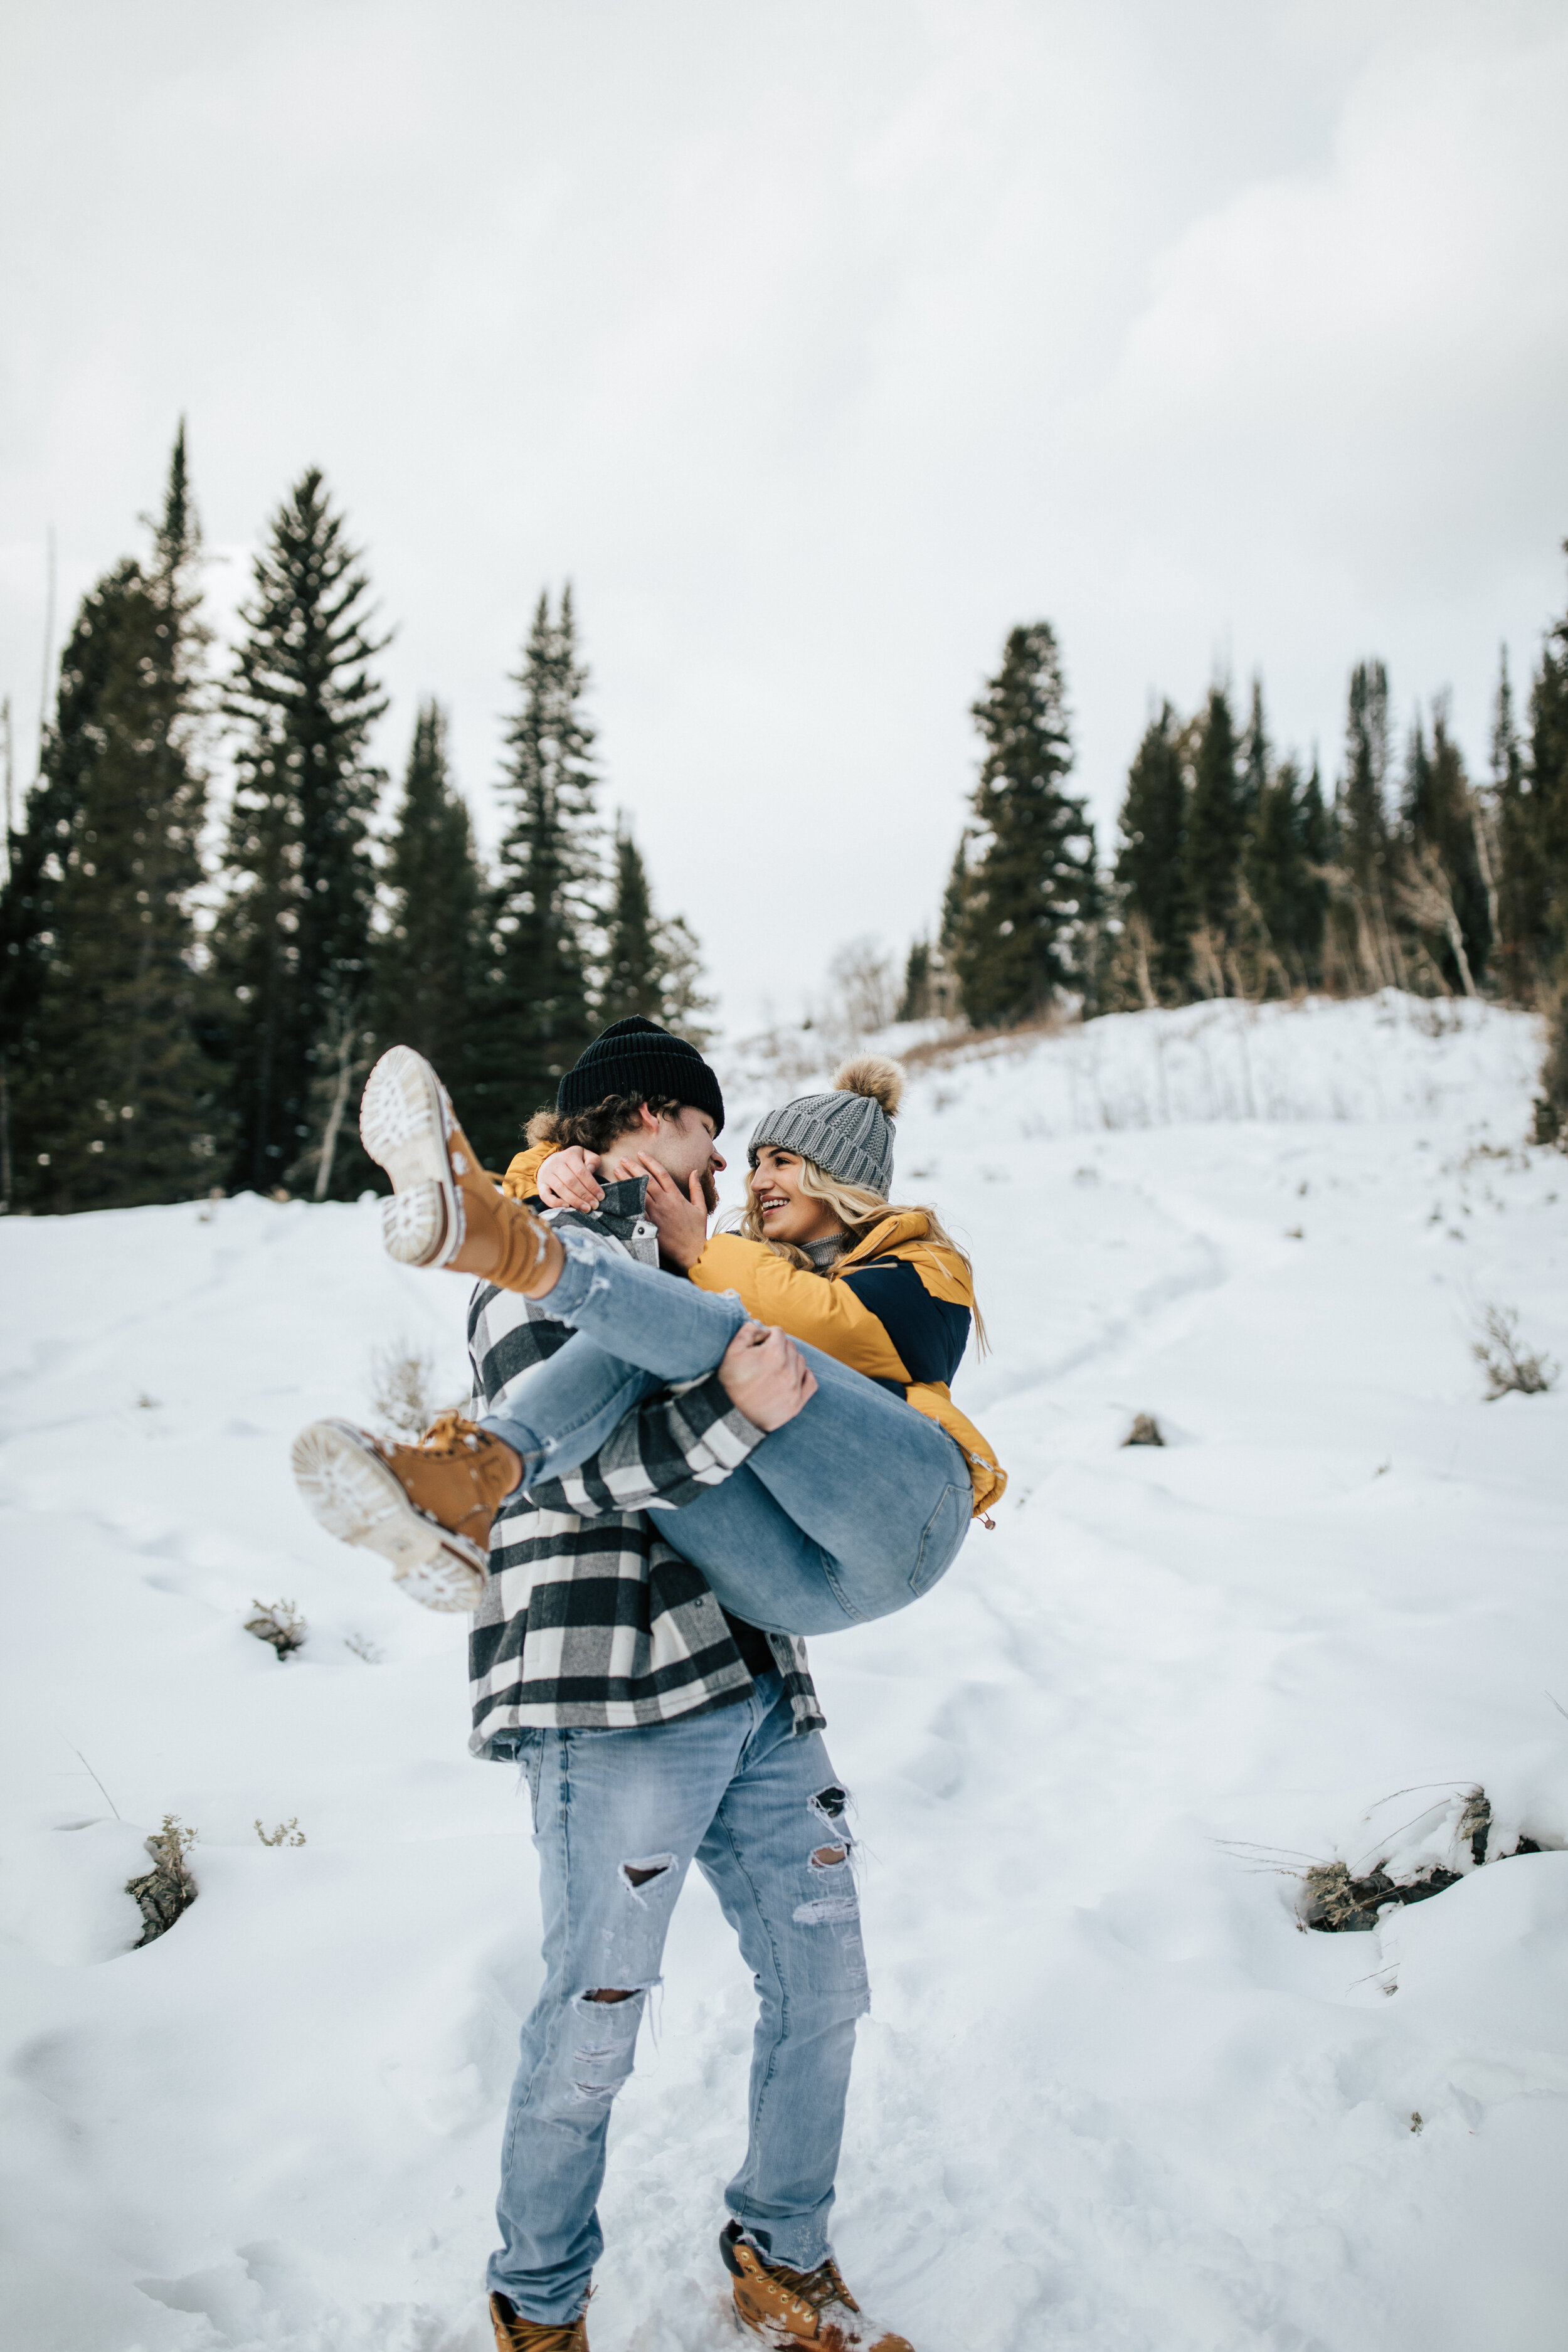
590	1619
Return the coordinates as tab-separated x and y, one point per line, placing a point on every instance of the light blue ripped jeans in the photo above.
850	1511
619	1817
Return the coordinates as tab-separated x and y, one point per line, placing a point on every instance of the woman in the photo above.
857	1504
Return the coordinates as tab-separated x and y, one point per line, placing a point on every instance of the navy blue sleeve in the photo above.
929	1334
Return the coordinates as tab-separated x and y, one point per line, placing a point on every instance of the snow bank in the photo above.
1111	2095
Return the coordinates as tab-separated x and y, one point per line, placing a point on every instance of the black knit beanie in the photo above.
638	1057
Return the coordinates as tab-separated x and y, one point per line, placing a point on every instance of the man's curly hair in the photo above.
597	1128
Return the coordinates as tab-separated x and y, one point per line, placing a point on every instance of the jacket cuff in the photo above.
714	1434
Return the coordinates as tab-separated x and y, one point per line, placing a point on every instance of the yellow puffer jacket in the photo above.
896	1308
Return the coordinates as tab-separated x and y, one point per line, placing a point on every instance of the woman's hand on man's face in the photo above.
681	1217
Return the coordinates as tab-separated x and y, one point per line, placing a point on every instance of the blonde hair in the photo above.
858	1211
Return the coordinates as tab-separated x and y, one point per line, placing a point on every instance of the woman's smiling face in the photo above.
786	1213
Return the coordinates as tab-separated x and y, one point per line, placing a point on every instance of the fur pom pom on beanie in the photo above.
847	1133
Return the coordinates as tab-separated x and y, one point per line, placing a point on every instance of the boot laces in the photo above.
450	1433
816	2289
565	2338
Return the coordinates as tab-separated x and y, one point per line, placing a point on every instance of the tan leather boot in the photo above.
444	1209
514	2334
427	1508
787	2307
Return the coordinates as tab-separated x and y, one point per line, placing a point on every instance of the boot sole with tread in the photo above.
404	1121
355	1496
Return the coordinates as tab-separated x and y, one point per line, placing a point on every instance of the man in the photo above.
654	1731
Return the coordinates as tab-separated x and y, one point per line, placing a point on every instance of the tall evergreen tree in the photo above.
1217	825
683	983
538	1006
1281	873
1362	815
652	965
1317	832
118	1107
1444	893
35	876
1256	765
1548	801
915	1003
633	979
1505	839
1151	860
293	941
1023	929
428	962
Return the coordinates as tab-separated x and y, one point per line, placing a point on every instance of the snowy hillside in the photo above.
1111	2095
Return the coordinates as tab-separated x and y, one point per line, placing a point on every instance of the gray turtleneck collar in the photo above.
826	1252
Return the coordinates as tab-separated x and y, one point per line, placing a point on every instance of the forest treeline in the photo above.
1237	872
173	1020
177	1014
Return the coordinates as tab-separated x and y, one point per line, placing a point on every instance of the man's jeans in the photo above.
851	1510
619	1816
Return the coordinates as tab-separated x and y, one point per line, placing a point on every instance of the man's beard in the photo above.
710	1192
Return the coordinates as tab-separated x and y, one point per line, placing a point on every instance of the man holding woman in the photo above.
664	1493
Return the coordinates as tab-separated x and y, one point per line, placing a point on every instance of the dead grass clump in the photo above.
286	1833
1508	1364
166	1890
1339	1905
279	1623
1332	1899
1145	1431
400	1378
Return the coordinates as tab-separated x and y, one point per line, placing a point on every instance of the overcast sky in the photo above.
818	341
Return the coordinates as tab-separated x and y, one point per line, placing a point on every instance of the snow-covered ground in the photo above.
1111	2095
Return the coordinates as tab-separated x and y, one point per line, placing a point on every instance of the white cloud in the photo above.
818	345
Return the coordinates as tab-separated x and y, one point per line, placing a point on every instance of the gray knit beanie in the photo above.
847	1133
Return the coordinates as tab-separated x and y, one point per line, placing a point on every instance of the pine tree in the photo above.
1281	873
1443	891
682	983
633	975
293	941
1150	861
29	902
945	995
427	962
1361	826
1216	828
1505	843
650	966
1030	893
538	1014
1257	762
914	1004
121	1097
1548	802
1317	834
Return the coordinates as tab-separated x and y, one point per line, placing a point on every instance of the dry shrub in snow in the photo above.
1507	1363
168	1888
286	1833
400	1377
279	1622
1423	1858
1145	1431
